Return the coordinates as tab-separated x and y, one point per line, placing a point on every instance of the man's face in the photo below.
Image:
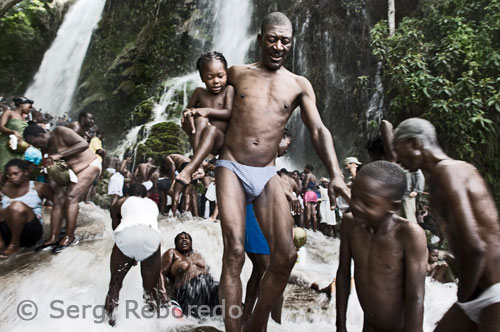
183	243
351	165
88	121
370	203
40	141
408	154
275	44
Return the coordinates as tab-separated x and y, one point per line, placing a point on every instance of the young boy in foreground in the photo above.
389	253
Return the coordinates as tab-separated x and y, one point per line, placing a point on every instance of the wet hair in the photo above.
283	170
83	114
137	189
208	57
22	100
431	247
276	19
310	167
419	129
23	165
390	174
179	235
33	130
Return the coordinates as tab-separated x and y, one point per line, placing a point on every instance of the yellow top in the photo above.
96	144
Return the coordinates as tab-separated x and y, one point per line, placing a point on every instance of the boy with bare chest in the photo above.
389	254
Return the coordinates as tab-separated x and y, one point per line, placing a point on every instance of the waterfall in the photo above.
53	86
232	22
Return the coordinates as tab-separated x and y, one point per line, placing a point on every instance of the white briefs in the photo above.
474	308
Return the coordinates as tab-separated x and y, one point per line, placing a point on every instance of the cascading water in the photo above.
232	21
54	84
69	288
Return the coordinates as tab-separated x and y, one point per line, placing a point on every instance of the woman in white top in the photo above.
21	211
137	239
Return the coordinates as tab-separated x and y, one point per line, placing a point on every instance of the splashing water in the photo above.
55	82
79	277
231	20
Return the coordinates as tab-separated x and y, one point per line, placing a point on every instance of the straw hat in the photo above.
350	160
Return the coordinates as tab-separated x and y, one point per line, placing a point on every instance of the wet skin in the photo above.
64	143
18	214
390	257
174	162
182	263
266	94
461	201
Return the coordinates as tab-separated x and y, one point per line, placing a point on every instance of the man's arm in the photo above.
415	260
76	144
170	166
323	143
386	132
343	279
166	261
114	211
44	191
452	181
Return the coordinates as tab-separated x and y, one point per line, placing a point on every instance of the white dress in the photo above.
327	215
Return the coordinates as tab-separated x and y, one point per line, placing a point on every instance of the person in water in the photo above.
137	239
207	114
144	173
266	94
21	211
310	198
460	201
390	271
12	122
186	270
65	144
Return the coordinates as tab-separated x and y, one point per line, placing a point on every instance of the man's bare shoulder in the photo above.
63	130
455	173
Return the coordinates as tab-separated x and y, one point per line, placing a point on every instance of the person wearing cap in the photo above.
12	122
351	165
34	157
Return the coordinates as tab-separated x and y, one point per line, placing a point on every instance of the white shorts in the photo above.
138	242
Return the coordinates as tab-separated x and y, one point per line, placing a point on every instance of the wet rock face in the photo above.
137	46
26	32
332	50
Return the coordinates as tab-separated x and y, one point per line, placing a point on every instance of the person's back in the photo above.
389	254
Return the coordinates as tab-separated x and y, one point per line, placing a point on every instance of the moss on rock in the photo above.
165	138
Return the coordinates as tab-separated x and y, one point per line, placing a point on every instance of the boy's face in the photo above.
370	202
433	256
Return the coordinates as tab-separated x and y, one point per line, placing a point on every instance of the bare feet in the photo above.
52	240
11	250
66	241
200	173
185	175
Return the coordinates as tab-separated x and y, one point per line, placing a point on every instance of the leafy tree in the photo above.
444	65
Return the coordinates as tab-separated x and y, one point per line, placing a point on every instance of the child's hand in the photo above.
188	113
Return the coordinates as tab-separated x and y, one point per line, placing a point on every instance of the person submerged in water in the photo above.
187	271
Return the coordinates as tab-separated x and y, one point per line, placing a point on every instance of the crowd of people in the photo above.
236	127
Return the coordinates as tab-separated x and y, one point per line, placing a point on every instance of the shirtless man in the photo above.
460	201
266	94
177	162
63	143
389	254
310	198
186	270
83	125
144	172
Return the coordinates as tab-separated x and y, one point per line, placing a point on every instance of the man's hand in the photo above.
413	194
50	159
296	208
337	187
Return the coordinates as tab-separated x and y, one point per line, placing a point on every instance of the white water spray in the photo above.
54	84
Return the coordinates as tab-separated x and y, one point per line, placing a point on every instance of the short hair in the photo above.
179	235
137	189
83	114
375	146
310	167
276	19
23	165
390	174
33	130
208	57
22	100
419	129
283	170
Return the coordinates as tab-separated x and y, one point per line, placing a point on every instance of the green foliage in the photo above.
143	112
25	33
165	138
444	65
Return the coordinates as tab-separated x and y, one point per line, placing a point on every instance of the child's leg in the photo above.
211	140
200	123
